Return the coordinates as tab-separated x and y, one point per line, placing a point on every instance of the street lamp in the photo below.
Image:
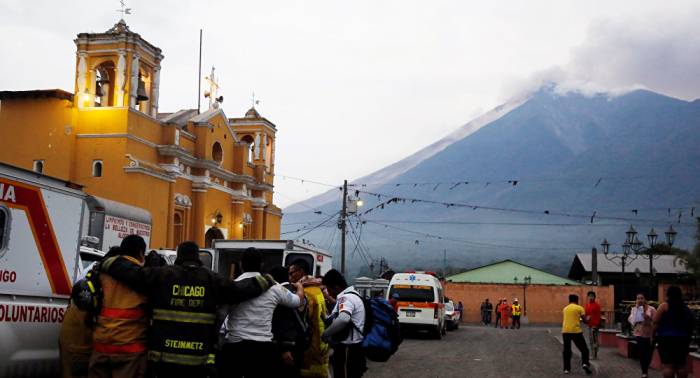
670	236
620	259
648	252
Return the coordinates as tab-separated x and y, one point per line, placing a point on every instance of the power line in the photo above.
309	229
528	224
303	180
592	217
468	242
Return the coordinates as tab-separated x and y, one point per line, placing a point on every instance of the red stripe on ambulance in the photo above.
30	199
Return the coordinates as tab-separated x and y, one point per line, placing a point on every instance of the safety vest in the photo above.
315	362
184	330
122	321
516	310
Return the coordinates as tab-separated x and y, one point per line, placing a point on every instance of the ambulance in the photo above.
45	244
419	300
227	253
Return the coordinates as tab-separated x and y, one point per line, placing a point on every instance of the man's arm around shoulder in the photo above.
231	292
129	273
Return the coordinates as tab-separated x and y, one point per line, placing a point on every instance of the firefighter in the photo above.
119	338
184	298
315	359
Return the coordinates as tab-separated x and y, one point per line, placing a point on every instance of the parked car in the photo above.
451	316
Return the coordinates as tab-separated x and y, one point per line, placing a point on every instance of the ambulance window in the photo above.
4	228
408	293
206	259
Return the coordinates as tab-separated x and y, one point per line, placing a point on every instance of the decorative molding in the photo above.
119	135
183	200
148	172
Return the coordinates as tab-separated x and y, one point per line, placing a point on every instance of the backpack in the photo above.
304	327
382	333
87	294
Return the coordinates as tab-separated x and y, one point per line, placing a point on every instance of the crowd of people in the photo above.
507	315
668	328
160	320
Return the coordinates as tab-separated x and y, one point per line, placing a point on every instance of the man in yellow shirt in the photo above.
571	331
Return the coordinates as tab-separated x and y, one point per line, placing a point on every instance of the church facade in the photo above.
200	175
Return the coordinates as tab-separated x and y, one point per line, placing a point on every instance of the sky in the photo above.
356	85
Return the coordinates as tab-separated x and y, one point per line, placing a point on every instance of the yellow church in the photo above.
200	175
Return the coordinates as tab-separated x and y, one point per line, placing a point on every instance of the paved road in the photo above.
475	351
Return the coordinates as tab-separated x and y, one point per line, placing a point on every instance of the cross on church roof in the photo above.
254	101
124	10
213	89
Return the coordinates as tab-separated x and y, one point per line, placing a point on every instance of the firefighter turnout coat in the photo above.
184	300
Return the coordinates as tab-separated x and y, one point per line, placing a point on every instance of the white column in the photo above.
256	151
133	91
155	91
120	79
81	96
264	154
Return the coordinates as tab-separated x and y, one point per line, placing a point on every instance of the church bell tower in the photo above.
117	68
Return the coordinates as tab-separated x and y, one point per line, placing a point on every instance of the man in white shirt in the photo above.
345	332
248	349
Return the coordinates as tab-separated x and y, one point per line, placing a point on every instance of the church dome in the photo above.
252	113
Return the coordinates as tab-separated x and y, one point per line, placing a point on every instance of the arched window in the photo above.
212	234
38	166
251	146
217	153
97	168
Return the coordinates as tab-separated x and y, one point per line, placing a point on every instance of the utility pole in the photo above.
199	77
343	214
444	263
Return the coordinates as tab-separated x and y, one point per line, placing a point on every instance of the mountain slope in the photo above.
382	176
574	154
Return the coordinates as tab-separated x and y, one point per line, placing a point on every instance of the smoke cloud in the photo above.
661	54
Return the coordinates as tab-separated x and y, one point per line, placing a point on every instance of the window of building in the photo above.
178	227
217	153
38	166
97	168
4	229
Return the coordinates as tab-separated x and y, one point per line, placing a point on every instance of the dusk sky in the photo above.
362	84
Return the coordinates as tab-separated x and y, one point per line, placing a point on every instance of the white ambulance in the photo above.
43	222
227	253
419	300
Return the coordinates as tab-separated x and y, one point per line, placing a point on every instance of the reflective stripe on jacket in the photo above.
315	362
516	310
121	324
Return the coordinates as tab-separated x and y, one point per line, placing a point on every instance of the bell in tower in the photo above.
117	68
141	94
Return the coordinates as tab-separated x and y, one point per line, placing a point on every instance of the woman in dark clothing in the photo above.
673	327
498	313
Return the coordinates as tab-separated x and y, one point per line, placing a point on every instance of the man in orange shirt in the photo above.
505	313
